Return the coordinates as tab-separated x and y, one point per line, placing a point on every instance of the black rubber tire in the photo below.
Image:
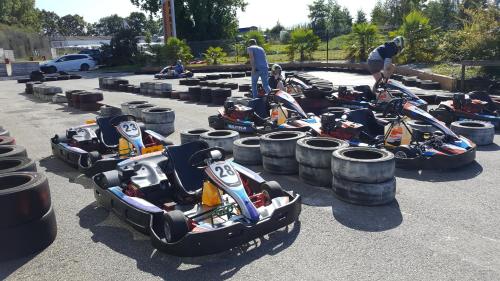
479	132
4	132
13	151
164	129
316	152
280	144
281	165
158	115
221	138
6	140
75	76
272	189
246	151
315	176
90	106
23	80
28	238
192	135
366	194
36	75
110	111
244	88
108	179
206	95
176	225
16	164
126	105
216	122
91	97
194	93
84	67
24	197
62	77
184	96
175	95
421	126
213	76
363	164
237	74
136	110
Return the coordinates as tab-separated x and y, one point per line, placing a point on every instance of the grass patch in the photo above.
455	70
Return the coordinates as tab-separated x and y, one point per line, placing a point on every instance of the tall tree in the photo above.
379	14
276	30
360	16
137	22
72	25
49	23
201	19
329	16
109	25
442	14
318	13
21	12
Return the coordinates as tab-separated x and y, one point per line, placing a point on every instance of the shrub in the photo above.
213	55
176	49
122	47
303	42
363	39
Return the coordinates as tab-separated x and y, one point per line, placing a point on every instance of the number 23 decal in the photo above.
129	127
226	168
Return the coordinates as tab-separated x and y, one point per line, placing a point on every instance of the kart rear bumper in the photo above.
66	153
437	162
210	242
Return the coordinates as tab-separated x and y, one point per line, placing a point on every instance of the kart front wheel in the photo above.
272	189
175	226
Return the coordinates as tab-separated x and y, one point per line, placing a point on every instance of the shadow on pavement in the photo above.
364	218
58	167
8	267
213	267
490	147
464	173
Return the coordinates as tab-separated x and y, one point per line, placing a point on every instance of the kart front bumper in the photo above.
210	242
437	162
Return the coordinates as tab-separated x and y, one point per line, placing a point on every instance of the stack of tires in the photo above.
27	220
191	135
109	111
194	93
221	138
159	119
314	155
246	151
136	110
364	176
29	87
126	106
278	152
88	101
219	95
206	95
479	132
44	92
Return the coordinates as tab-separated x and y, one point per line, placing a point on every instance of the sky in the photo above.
260	13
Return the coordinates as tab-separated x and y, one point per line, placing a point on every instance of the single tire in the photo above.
221	138
315	176
136	110
84	67
28	238
244	88
246	151
16	164
175	95
6	140
194	93
91	97
162	129
280	144
367	194
108	179
90	106
363	164
13	151
175	226
185	96
4	132
24	197
280	166
317	151
158	115
126	106
479	132
421	126
206	95
191	135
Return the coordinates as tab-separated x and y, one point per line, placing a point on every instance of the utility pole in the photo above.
168	15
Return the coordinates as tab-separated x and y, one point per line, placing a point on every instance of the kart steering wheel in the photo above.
118	119
395	105
197	160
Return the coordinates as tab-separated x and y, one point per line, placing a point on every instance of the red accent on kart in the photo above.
239	112
258	200
192	224
133	191
246	185
471	107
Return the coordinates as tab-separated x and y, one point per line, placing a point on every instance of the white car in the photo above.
72	62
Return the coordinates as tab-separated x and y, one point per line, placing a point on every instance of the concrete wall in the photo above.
24	68
3	70
447	83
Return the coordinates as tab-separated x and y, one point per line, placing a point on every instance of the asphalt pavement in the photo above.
444	225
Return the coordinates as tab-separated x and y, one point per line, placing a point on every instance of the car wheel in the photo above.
175	226
52	69
84	67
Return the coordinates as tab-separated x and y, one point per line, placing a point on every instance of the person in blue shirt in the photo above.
179	68
380	60
260	68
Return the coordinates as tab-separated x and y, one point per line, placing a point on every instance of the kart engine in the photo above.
238	111
339	128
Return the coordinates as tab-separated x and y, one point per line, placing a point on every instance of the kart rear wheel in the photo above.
93	157
175	226
404	152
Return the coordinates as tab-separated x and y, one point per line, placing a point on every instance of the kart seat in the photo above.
186	177
109	136
365	117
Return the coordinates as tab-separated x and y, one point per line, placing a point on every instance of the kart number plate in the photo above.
225	173
130	128
152	149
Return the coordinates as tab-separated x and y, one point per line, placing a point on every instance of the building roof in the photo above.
79	38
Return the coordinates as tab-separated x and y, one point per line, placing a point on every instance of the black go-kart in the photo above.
193	202
100	145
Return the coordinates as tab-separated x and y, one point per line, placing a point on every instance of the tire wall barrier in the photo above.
278	152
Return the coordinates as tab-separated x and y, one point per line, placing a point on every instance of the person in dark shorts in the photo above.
380	60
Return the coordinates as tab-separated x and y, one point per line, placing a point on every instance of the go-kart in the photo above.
442	149
169	73
363	96
276	111
100	145
473	106
193	202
